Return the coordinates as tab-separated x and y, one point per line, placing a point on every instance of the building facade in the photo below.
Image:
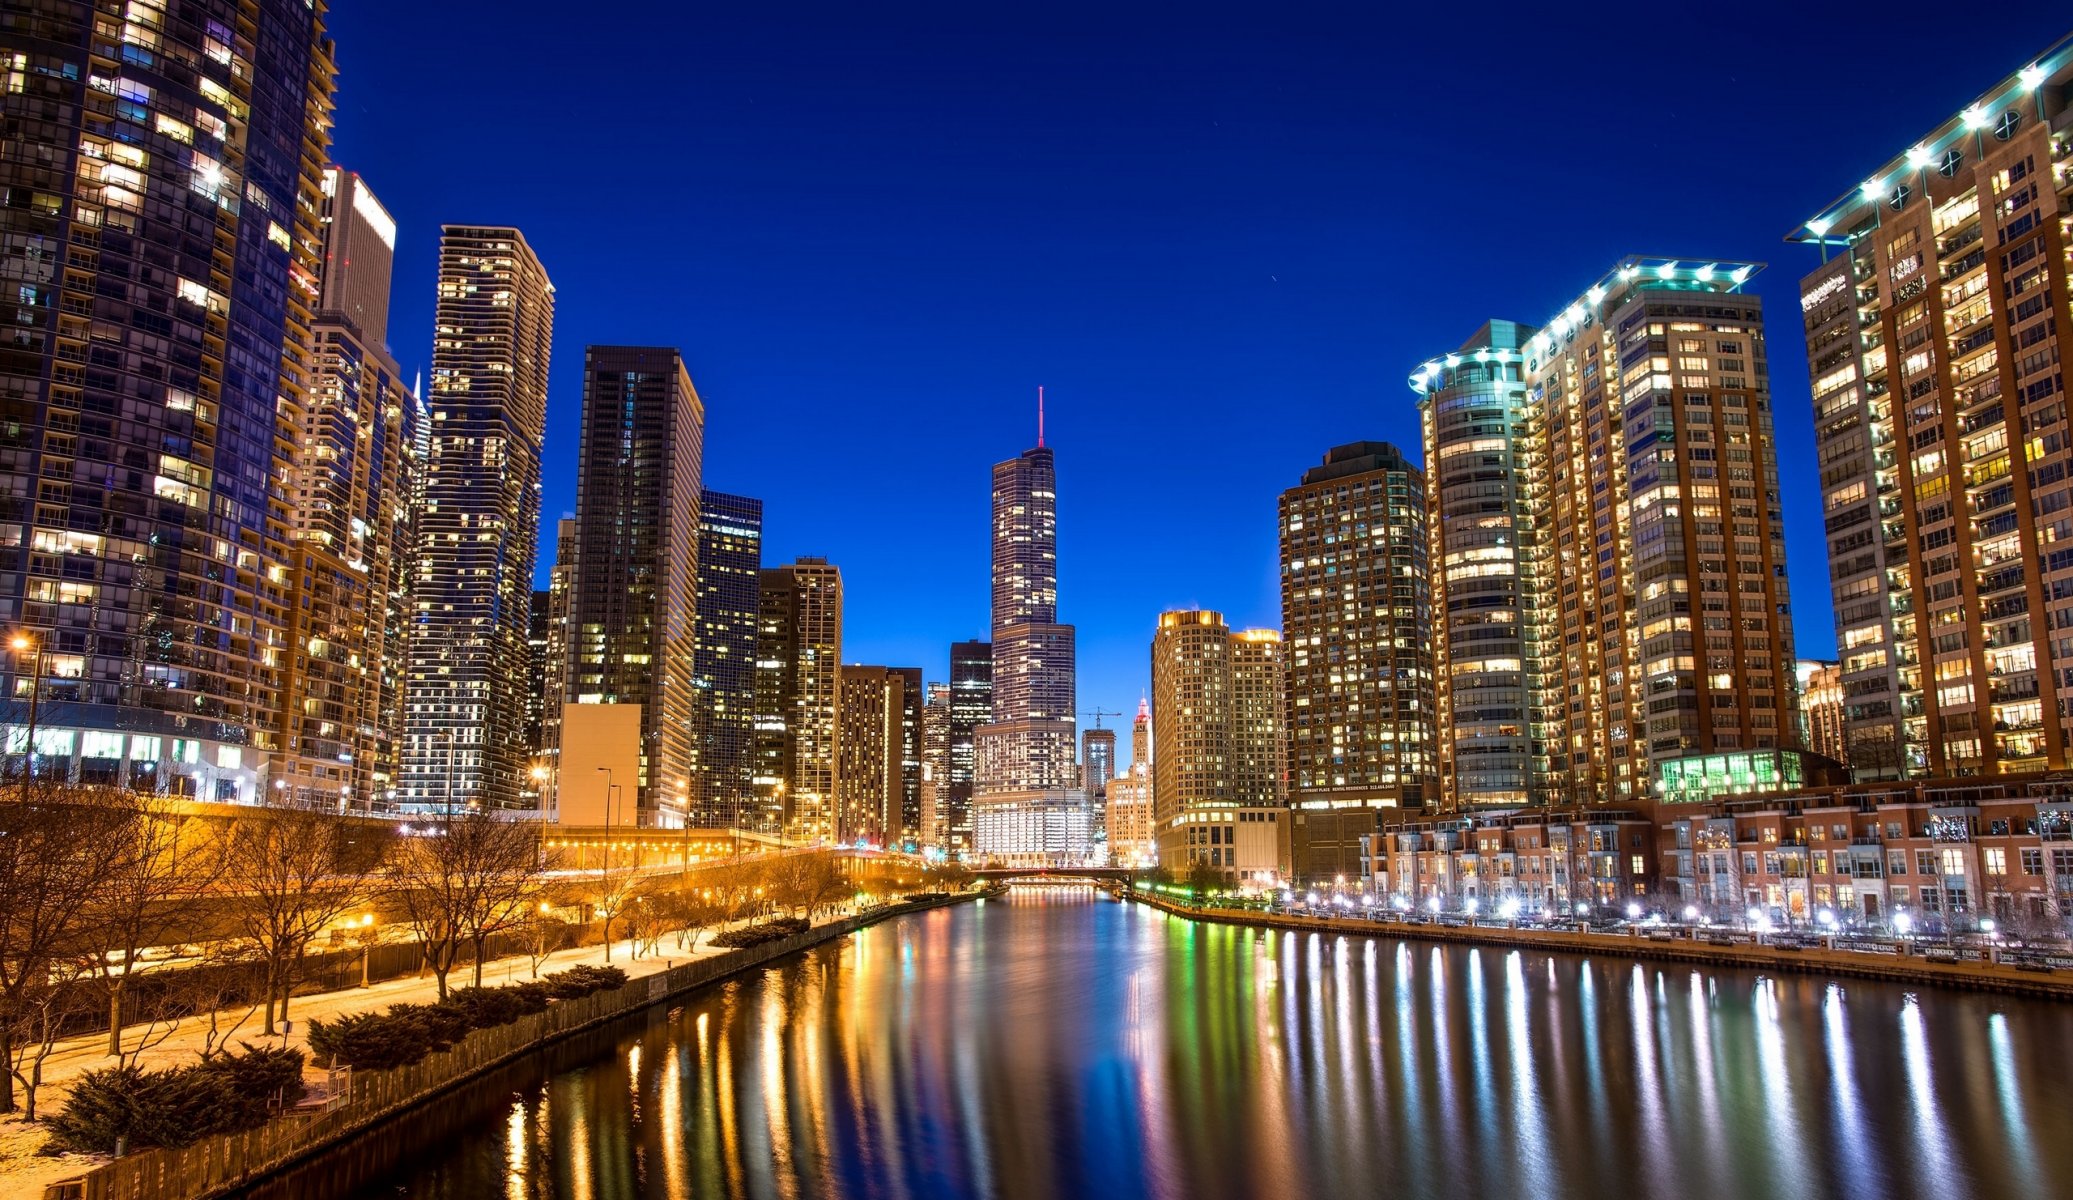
1510	862
1217	720
1132	833
934	826
730	560
869	743
1934	346
1648	426
1356	610
798	698
633	611
478	523
971	705
1483	479
353	485
1024	760
160	247
1821	709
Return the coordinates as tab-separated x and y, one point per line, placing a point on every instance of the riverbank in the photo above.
1990	977
363	1101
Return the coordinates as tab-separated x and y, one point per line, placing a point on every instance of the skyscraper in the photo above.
798	687
971	705
539	637
870	744
1653	480
554	666
1217	719
1821	708
1935	339
1356	609
479	522
159	239
634	608
730	557
907	827
1027	802
1097	759
353	483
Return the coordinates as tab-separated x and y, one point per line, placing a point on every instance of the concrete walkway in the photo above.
23	1171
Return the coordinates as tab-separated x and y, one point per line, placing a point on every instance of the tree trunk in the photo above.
271	990
6	1066
481	945
114	1020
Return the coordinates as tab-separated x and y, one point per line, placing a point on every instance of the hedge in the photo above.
774	930
406	1033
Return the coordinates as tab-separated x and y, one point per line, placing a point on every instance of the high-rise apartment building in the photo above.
730	557
1935	339
934	827
907	827
1217	718
1661	618
798	689
353	483
868	788
1027	802
554	659
533	788
633	612
1483	473
478	522
1356	610
1821	708
1097	759
160	245
971	705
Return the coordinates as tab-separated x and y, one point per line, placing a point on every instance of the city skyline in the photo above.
1325	341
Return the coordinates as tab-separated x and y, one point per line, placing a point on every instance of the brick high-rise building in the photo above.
1662	616
730	558
633	611
1821	708
478	523
870	742
160	241
1356	613
1935	340
798	689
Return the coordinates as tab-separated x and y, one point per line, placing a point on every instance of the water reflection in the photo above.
1056	1044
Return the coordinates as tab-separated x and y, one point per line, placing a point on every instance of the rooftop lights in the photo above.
1667	271
2031	76
1974	117
1820	227
1871	189
1596	294
1704	274
1919	156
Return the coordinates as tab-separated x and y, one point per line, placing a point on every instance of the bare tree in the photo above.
610	894
166	862
59	848
292	872
39	1021
541	935
824	884
508	867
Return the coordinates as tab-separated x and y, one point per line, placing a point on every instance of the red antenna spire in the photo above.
1040	416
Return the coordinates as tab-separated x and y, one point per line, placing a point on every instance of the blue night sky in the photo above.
1219	238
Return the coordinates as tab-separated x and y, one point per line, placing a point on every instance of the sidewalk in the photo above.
23	1172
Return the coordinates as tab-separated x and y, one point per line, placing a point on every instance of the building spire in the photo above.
1040	416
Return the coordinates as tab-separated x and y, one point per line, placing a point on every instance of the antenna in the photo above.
1040	416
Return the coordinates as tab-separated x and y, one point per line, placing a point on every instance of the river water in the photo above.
1056	1043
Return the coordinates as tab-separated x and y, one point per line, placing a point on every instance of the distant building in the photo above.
633	617
730	560
971	705
798	685
904	822
869	743
478	529
1029	807
1821	708
934	826
1216	717
1132	840
1543	861
1097	759
561	580
540	635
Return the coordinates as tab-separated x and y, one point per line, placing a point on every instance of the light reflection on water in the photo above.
1056	1044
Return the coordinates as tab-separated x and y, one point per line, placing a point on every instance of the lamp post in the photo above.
605	876
23	643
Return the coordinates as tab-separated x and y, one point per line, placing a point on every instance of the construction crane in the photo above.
1099	713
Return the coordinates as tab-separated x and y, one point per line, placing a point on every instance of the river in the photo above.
1056	1043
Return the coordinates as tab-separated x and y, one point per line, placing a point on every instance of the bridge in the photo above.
1115	874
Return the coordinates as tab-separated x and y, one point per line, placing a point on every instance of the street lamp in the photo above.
23	643
605	877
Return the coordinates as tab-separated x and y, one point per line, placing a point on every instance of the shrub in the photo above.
788	926
257	1075
371	1041
577	982
776	929
443	1023
171	1108
532	996
488	1007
